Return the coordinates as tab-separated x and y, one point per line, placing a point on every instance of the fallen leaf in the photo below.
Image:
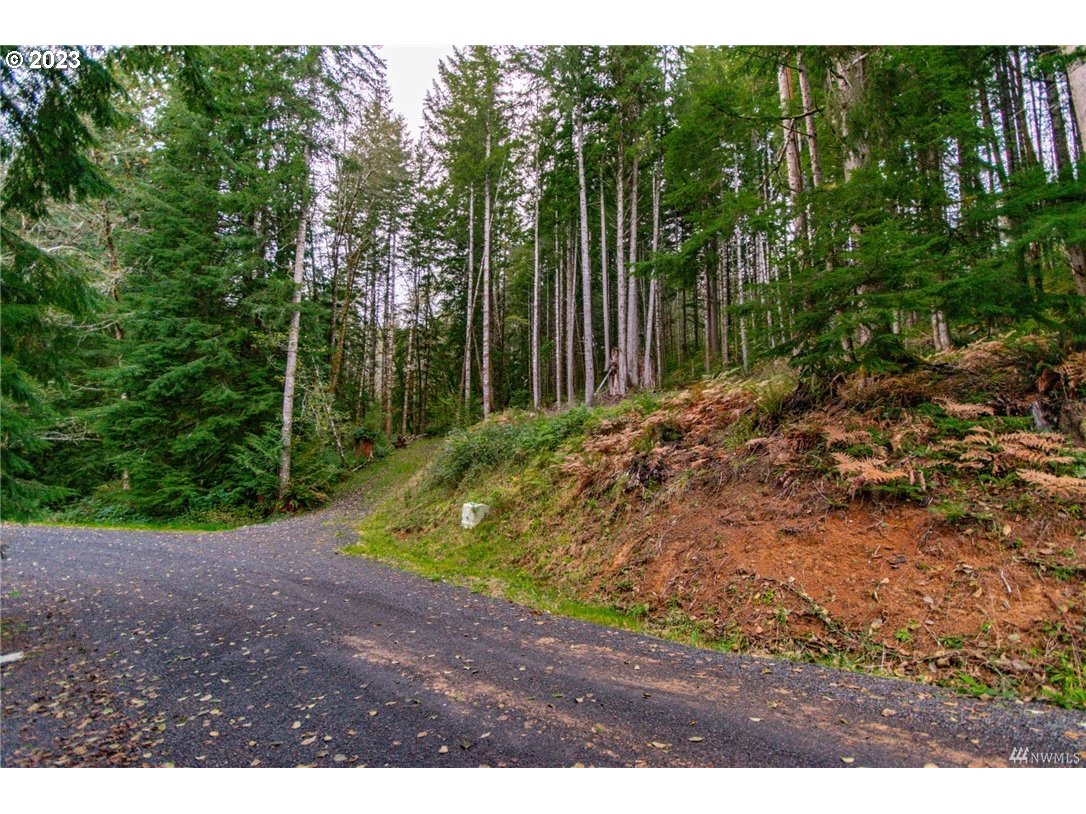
443	750
888	713
848	760
696	739
756	720
296	725
659	745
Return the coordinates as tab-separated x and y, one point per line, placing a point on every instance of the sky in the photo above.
411	71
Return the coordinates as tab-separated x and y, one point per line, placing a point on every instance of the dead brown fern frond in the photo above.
1044	443
1033	457
847	465
1063	487
1073	369
836	435
959	410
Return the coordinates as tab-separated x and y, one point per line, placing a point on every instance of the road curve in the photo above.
264	647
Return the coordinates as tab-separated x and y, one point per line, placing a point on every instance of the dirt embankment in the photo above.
918	524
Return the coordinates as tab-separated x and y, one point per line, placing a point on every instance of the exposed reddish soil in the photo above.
774	538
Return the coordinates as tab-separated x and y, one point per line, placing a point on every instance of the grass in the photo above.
519	552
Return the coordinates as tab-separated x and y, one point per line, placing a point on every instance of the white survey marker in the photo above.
472	514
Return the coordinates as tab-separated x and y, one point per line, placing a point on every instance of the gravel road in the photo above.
264	647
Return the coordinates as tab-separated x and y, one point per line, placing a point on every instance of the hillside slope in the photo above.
914	524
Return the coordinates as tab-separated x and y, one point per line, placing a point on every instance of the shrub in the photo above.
507	438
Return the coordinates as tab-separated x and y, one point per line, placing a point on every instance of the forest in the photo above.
229	272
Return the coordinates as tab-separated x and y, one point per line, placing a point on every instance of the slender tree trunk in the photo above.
488	395
1060	152
115	294
620	272
287	428
741	285
605	274
388	334
1006	107
1025	142
852	78
997	157
571	315
791	150
411	349
808	107
633	313
342	322
470	316
586	263
371	329
559	274
725	269
648	378
537	386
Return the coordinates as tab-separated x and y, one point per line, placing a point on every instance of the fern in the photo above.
1061	486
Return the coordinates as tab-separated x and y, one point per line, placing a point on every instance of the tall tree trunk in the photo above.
537	386
286	433
488	395
342	322
371	327
1060	151
808	108
1006	114
411	349
725	268
1025	142
388	334
648	377
586	263
605	274
633	313
741	285
620	273
115	294
791	151
997	156
852	78
559	274
571	315
466	376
